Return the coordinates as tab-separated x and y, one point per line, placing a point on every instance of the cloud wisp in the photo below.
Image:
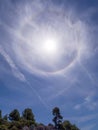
19	75
56	45
15	70
32	33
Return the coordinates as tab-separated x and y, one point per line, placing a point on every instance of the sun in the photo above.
49	46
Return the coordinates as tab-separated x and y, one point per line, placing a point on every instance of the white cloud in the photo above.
34	24
83	119
19	75
88	103
30	34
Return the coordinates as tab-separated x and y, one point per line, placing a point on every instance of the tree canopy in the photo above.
57	117
68	126
28	114
59	125
26	120
14	115
0	114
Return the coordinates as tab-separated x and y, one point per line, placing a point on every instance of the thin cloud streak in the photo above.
15	70
87	72
18	74
38	95
31	64
88	103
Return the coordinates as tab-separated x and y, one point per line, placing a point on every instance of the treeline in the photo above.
26	121
13	120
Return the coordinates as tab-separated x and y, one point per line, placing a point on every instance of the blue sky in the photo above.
49	57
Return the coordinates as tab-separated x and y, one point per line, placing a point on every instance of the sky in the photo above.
49	58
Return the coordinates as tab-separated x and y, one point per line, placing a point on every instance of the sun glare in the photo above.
49	46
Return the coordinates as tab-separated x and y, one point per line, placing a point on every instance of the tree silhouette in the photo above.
57	117
68	126
0	114
14	115
5	117
26	121
28	114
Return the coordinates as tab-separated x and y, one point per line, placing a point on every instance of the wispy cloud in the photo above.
85	118
19	75
87	72
15	70
88	103
86	121
72	81
30	30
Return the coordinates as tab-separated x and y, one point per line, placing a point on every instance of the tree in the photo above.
14	128
57	117
0	114
28	114
74	127
68	126
3	127
55	111
5	117
14	115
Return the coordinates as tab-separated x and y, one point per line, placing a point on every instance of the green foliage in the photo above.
14	128
69	126
5	117
3	122
3	127
0	114
27	119
14	115
74	127
15	123
28	114
66	124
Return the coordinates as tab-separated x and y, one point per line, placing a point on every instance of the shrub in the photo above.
14	128
3	127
